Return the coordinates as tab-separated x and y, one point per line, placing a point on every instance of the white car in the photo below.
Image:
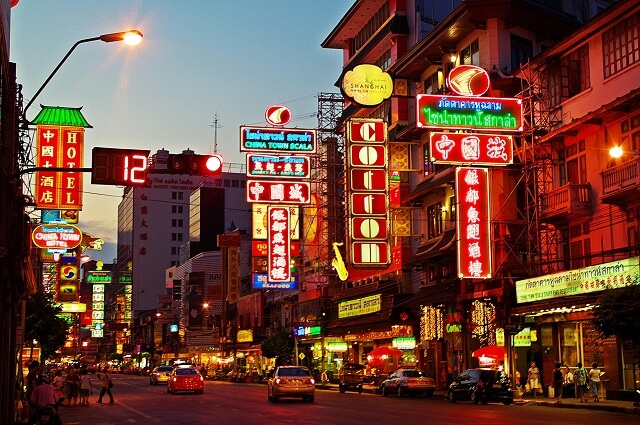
408	381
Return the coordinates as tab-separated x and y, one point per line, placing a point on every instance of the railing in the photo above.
621	177
570	199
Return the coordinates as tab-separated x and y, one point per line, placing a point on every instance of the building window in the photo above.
434	220
573	160
235	183
369	28
569	76
470	55
176	237
177	195
227	183
621	45
432	83
177	222
174	263
384	61
174	250
521	51
177	209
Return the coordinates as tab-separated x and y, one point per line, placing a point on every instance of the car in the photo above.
481	385
160	375
408	382
291	381
351	377
185	379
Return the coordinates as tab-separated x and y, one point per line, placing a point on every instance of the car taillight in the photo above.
175	379
280	381
312	381
201	378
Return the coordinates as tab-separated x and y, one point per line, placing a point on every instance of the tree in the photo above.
618	313
44	325
280	347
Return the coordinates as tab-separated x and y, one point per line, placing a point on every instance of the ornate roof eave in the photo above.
60	115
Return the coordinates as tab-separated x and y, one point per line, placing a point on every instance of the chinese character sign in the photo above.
461	148
473	223
279	241
59	147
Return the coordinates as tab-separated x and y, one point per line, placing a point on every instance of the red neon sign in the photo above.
473	223
460	148
264	191
279	245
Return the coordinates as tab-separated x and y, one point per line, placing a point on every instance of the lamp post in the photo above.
130	38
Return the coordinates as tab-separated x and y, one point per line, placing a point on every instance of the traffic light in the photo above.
201	165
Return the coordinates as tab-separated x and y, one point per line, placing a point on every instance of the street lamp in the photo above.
130	38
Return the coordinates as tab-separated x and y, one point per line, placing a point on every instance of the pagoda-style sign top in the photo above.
60	115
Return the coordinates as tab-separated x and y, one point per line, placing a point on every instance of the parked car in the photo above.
185	379
408	382
481	386
160	375
351	377
291	381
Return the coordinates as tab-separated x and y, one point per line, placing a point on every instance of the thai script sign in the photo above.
360	306
461	148
436	111
278	140
615	274
473	223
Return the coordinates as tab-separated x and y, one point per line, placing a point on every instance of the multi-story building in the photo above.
583	234
423	293
154	226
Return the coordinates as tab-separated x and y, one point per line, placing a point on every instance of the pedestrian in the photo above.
32	377
324	377
73	387
533	378
558	382
43	399
569	387
594	379
582	382
106	386
85	387
58	384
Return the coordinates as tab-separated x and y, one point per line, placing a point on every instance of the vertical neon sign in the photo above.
279	241
474	237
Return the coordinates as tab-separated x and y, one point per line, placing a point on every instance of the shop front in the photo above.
556	314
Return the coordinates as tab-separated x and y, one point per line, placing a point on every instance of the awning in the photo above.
423	188
492	351
432	249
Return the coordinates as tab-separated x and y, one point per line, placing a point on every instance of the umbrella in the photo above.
493	351
386	351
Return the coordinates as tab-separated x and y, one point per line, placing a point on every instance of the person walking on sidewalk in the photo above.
558	382
581	380
594	378
106	386
533	377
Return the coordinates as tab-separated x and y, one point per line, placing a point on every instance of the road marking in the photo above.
136	411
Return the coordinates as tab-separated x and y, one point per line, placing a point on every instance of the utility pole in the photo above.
215	126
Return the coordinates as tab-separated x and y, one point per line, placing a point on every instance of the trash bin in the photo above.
605	384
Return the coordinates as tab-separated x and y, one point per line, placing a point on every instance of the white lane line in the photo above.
136	411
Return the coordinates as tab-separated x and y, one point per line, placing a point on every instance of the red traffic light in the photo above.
202	165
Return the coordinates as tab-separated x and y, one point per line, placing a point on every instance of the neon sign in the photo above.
278	166
460	148
474	243
279	254
460	112
278	140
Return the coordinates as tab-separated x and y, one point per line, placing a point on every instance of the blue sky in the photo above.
197	58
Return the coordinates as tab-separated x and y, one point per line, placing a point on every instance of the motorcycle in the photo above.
48	416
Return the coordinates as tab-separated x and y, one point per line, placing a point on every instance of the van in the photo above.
351	377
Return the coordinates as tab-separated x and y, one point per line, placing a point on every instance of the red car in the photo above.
185	379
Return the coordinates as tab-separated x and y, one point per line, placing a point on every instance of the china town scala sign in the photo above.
61	236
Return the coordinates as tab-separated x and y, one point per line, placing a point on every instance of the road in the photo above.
137	402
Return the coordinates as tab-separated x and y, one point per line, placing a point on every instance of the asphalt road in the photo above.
137	402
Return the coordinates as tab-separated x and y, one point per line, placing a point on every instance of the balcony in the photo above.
620	184
569	202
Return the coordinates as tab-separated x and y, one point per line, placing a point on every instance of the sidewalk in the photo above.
617	406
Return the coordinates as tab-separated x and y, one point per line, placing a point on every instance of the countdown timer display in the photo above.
120	167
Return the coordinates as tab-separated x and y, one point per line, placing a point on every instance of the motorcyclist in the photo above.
43	400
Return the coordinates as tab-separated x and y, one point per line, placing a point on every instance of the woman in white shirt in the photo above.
594	377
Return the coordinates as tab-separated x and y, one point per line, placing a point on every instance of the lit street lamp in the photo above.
130	38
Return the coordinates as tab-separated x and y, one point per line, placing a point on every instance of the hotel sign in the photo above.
479	149
277	140
616	274
360	306
473	223
467	112
62	236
